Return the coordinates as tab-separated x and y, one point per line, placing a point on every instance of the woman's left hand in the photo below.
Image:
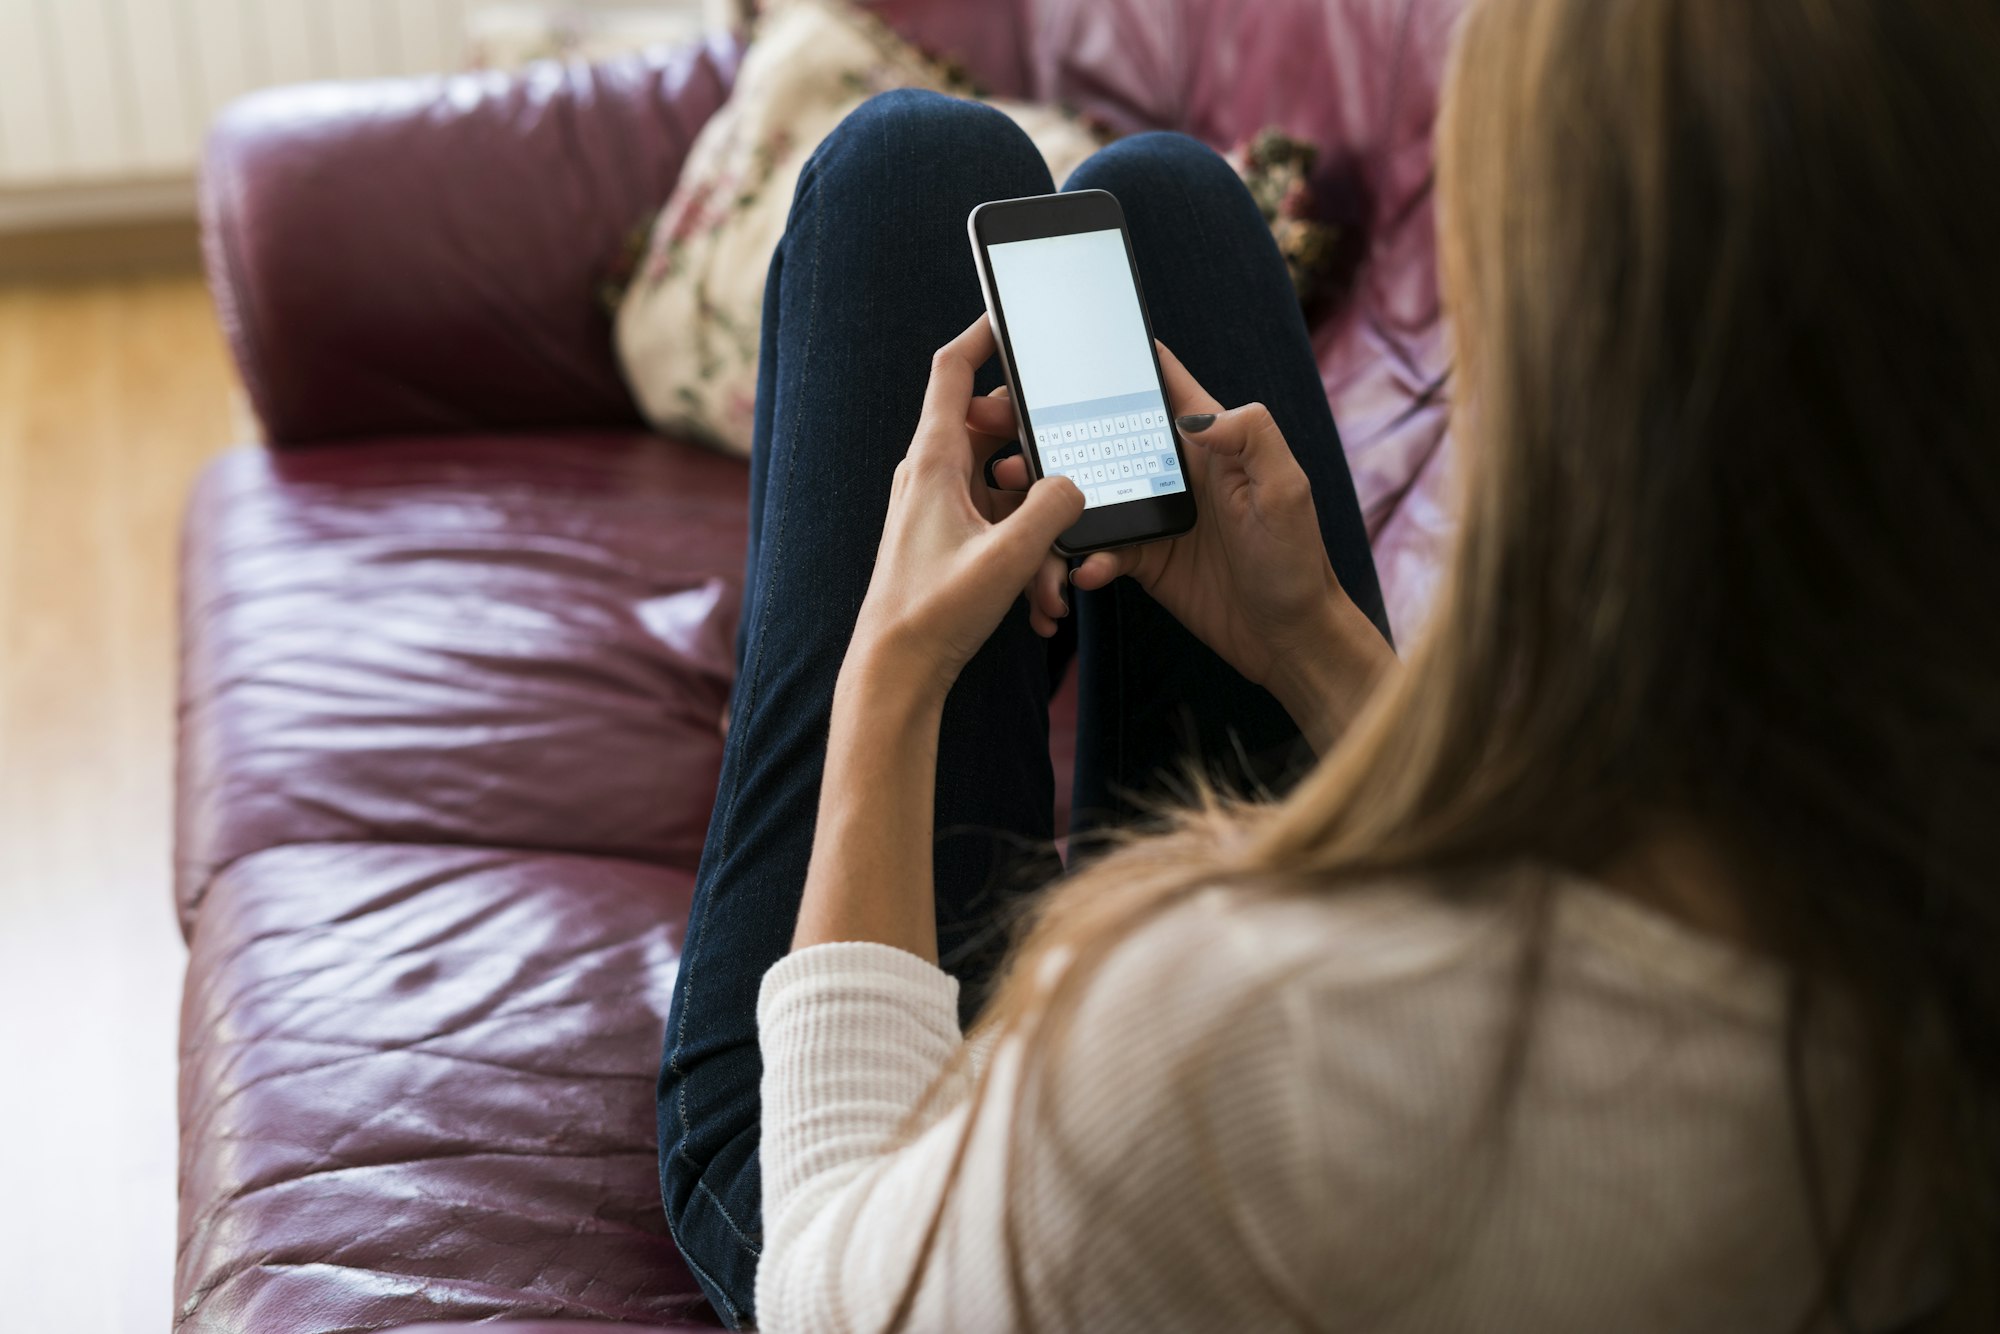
955	553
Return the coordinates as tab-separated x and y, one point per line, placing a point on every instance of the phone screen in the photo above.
1083	365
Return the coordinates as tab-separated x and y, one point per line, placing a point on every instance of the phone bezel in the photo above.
1032	218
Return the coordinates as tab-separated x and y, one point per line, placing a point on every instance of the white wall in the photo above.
118	91
104	103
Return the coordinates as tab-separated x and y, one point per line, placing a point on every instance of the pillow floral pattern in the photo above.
687	325
1277	170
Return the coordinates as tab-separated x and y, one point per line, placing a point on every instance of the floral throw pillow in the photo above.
687	326
1277	169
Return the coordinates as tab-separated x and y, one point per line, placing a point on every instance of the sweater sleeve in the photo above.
853	1036
1103	1182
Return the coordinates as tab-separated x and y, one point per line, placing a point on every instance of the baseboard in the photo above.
90	230
102	250
90	203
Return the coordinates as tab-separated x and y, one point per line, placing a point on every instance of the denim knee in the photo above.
1159	160
911	137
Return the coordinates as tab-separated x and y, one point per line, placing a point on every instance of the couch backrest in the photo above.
420	257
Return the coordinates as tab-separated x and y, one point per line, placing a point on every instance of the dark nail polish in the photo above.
1195	422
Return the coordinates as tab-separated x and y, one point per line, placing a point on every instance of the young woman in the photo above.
1629	960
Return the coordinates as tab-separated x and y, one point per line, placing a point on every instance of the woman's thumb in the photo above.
1051	505
1246	433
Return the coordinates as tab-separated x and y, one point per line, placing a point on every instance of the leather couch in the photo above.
456	638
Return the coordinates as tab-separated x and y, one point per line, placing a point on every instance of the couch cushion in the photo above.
417	1086
503	641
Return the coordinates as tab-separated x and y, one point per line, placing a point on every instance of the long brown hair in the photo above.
1725	278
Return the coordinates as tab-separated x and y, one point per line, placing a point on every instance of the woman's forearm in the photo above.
1324	688
870	873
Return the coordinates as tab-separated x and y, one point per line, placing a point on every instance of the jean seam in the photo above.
735	1227
714	1290
754	674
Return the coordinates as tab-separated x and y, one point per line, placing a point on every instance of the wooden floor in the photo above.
111	396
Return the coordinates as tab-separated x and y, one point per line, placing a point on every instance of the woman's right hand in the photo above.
1251	579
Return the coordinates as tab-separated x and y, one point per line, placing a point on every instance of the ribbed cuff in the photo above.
891	973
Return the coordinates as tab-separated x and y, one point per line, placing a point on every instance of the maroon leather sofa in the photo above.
456	640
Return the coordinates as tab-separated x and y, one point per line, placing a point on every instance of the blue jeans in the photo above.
873	274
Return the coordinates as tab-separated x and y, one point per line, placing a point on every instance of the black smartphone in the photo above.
1063	293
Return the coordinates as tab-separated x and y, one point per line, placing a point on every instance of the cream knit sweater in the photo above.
1278	1116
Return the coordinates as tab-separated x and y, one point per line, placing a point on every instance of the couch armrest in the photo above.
423	256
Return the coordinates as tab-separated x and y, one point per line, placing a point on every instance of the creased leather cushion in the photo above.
507	641
417	1086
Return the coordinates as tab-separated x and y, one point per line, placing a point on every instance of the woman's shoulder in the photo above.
1356	1055
1394	1006
1459	935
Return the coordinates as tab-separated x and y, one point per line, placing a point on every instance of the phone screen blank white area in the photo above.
1073	318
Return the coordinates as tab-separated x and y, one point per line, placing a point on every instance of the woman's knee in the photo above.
1159	162
914	137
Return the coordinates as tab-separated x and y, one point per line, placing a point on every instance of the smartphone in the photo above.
1063	293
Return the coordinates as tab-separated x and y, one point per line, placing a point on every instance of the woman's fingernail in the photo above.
1065	603
1195	422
